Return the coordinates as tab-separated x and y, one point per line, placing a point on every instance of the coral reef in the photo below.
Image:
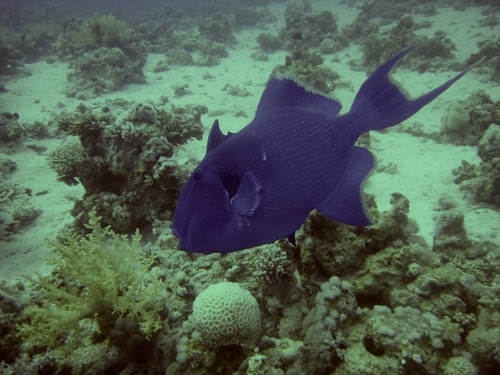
388	10
269	43
10	60
417	308
217	28
377	48
16	210
101	282
10	128
96	32
102	71
456	122
483	181
322	242
331	299
431	54
207	52
305	69
31	30
323	326
459	365
309	30
399	306
125	164
305	31
488	49
360	28
10	318
103	54
465	122
236	90
450	231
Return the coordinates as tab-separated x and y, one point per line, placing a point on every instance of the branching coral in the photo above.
101	276
273	264
66	160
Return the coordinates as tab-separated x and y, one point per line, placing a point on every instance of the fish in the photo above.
298	154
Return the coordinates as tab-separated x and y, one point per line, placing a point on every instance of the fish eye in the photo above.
197	175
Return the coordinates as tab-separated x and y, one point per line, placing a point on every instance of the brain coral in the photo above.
226	314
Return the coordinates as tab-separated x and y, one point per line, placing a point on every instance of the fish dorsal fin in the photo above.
285	93
248	197
346	203
216	137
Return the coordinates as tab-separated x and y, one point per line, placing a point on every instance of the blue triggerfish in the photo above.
298	154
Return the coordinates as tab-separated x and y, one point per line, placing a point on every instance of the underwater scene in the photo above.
250	187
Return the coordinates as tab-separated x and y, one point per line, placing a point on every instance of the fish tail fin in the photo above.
383	104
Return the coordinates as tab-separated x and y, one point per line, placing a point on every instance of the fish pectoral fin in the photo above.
248	196
346	203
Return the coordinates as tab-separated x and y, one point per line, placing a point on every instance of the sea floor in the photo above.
420	168
423	166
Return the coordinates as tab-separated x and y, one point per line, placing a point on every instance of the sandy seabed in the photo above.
423	167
